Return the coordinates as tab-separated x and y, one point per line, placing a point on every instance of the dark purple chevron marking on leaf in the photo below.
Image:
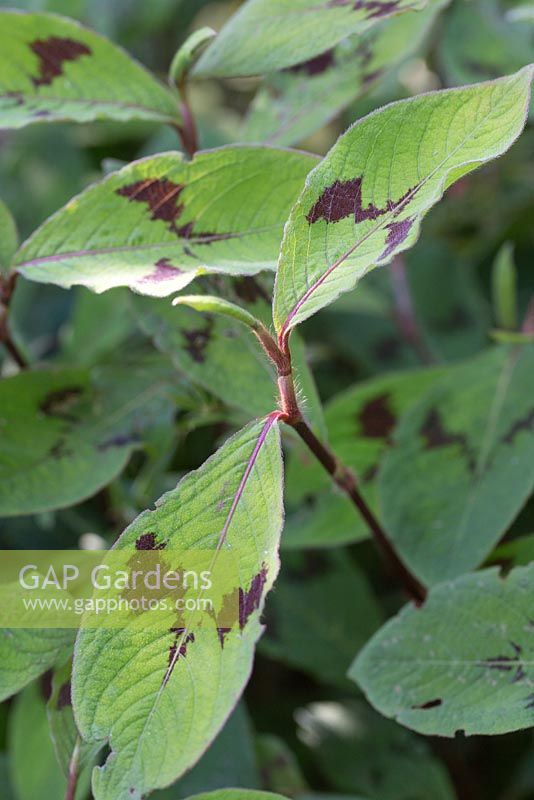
53	53
397	233
249	601
526	423
177	650
64	696
435	436
344	199
376	419
148	541
504	663
429	704
120	440
316	65
197	339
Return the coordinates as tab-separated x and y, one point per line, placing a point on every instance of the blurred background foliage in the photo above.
306	725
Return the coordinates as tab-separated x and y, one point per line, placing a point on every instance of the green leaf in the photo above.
25	654
267	35
219	767
156	224
34	768
358	751
128	686
188	53
462	465
238	794
480	41
68	432
322	613
365	200
295	102
279	768
54	69
360	423
210	304
505	288
221	355
8	238
461	662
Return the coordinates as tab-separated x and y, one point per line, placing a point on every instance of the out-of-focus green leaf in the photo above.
322	612
278	766
267	35
462	464
479	41
238	794
35	771
52	68
131	685
27	653
67	432
365	201
505	288
299	100
8	238
156	224
188	53
359	751
461	662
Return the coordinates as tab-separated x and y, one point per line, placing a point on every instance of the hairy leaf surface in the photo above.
52	68
160	698
156	224
267	35
464	661
462	465
365	201
26	653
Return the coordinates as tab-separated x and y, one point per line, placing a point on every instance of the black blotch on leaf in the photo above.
375	8
249	601
376	419
64	698
504	663
59	403
530	701
45	685
148	541
526	423
197	339
120	440
316	65
343	199
433	432
429	704
52	54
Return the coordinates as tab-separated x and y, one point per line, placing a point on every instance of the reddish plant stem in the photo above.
188	129
404	312
342	476
72	781
7	287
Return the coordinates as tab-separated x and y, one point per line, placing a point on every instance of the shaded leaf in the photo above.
238	794
137	686
267	35
8	238
157	223
54	69
25	654
365	200
68	432
462	464
461	662
359	751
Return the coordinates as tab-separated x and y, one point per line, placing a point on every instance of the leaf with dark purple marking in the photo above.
366	200
52	69
472	642
156	224
26	654
268	35
66	433
462	464
131	685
